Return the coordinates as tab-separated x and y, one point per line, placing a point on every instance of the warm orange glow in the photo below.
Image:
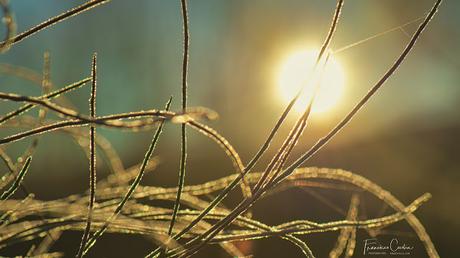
297	71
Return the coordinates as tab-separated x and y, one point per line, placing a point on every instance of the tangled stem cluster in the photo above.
192	222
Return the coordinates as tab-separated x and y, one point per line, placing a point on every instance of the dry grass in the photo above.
176	231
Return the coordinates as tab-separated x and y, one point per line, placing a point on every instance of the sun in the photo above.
296	71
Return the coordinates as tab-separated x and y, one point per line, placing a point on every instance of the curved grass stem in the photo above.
92	164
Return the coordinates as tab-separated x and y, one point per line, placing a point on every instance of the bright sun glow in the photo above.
296	72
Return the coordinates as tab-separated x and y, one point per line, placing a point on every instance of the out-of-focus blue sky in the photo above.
236	47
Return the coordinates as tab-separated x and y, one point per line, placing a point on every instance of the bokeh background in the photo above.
406	139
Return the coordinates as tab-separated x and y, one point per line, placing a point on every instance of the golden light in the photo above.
297	71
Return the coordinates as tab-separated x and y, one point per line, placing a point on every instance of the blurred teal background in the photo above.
406	139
